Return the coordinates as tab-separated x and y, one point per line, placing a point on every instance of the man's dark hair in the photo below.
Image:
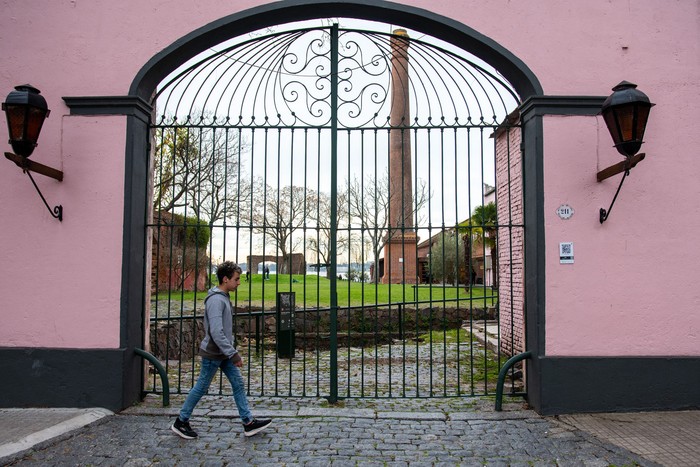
226	269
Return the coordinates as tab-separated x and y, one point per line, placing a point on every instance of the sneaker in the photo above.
183	429
256	426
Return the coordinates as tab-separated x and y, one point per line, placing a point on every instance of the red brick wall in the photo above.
509	195
168	249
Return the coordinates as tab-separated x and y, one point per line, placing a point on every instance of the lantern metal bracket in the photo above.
625	166
28	167
620	166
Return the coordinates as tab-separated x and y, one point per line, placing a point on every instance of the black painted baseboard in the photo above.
110	378
43	377
613	384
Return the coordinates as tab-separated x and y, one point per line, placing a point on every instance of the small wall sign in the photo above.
565	211
566	253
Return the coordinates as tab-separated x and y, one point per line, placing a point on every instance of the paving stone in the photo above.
336	412
412	415
427	434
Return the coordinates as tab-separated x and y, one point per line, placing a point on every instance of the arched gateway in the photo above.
286	143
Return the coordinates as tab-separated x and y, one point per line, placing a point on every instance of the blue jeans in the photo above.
206	374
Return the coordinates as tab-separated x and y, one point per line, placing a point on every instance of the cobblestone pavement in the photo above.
451	365
308	432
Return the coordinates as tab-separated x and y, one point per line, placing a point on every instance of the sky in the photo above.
272	74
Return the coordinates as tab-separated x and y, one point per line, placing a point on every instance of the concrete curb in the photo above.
70	420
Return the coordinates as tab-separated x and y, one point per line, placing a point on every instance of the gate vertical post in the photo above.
333	397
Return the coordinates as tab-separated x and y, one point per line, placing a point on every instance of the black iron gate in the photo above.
370	174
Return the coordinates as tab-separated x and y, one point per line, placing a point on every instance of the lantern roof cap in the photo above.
625	93
26	94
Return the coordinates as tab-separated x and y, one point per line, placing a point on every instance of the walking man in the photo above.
217	351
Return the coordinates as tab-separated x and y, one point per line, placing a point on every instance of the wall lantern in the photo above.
625	112
26	111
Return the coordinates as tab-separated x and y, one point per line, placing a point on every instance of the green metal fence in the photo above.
366	171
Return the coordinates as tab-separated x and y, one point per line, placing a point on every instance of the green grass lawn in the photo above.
312	291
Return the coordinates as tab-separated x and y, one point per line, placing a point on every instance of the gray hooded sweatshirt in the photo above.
218	341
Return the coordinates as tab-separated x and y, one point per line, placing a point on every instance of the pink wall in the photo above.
632	290
62	280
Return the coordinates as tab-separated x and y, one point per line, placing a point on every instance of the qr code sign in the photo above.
566	253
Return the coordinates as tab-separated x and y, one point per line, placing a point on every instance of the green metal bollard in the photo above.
502	376
161	371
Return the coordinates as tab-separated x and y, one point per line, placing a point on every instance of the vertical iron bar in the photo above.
456	269
389	270
318	283
333	396
306	215
277	220
416	229
404	130
458	239
170	265
430	252
349	247
182	262
416	226
494	270
259	323
198	218
376	270
264	249
290	260
471	261
364	260
483	254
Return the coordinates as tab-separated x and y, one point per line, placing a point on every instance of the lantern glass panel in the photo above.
642	117
34	123
625	116
15	121
611	122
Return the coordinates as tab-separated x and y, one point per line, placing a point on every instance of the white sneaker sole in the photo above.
256	431
179	433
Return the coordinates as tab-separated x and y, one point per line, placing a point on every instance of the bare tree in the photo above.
199	169
197	174
279	213
176	152
222	190
320	243
369	202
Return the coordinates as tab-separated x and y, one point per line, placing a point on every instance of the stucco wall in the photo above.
632	290
62	280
